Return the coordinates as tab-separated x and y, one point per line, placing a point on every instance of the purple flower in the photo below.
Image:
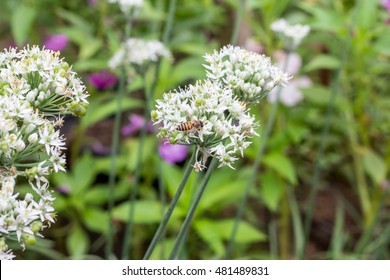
102	80
172	153
56	42
136	123
91	3
101	150
386	4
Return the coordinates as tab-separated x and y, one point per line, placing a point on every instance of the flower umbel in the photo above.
207	116
291	35
249	75
138	53
36	88
129	7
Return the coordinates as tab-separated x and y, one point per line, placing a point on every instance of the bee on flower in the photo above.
207	116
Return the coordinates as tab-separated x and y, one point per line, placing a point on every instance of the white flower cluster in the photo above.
138	53
129	6
291	35
36	88
249	75
208	116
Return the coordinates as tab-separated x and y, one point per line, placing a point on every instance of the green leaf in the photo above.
223	189
77	242
324	18
322	62
374	165
207	231
246	232
296	131
365	13
21	23
282	165
96	219
383	42
271	190
214	232
317	95
101	109
146	212
83	173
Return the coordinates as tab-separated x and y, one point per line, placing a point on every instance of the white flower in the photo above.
207	116
292	35
6	254
37	88
138	52
41	78
249	75
129	6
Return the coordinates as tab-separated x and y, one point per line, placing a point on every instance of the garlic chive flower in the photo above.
129	7
43	79
291	35
249	75
226	126
138	53
36	90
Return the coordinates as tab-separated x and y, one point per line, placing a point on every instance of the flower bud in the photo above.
29	239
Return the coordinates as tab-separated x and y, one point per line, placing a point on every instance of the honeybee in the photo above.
190	125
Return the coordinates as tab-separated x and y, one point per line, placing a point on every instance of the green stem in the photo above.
168	214
169	25
187	221
137	176
165	39
114	151
358	166
324	135
256	165
237	22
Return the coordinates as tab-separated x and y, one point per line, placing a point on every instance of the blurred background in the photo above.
321	190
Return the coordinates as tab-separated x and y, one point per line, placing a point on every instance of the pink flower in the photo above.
102	80
291	94
91	3
136	123
56	42
254	46
172	153
386	4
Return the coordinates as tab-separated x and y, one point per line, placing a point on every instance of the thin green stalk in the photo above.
168	214
299	234
187	221
169	25
256	165
237	22
165	38
273	240
324	135
114	150
137	176
161	192
358	166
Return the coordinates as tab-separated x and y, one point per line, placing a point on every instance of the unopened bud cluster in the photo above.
36	89
249	75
